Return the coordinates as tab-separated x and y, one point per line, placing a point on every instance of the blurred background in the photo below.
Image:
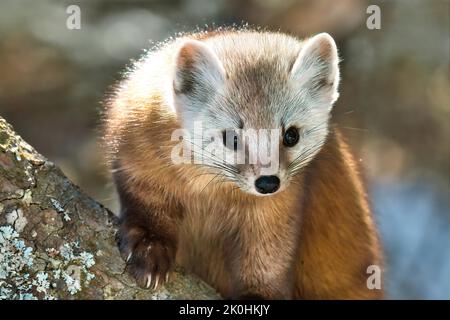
394	106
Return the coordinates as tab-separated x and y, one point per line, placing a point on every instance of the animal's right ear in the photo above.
198	70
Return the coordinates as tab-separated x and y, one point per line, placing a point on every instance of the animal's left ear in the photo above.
198	70
316	68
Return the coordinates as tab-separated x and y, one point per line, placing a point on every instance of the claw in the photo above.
156	282
129	257
149	281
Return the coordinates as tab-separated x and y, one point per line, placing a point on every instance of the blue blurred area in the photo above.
414	221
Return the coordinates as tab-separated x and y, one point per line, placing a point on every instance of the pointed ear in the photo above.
198	70
316	68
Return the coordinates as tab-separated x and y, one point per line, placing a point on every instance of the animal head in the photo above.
264	98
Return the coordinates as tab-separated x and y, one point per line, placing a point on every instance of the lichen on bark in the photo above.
58	243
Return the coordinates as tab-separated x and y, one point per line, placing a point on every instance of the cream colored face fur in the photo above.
253	80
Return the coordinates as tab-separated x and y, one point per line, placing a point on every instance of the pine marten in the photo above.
302	231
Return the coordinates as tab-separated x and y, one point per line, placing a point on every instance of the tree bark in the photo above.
58	243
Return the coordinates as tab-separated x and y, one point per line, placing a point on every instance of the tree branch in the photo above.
58	243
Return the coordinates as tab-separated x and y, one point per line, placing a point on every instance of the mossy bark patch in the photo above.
58	243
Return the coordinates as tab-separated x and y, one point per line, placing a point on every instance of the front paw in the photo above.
149	258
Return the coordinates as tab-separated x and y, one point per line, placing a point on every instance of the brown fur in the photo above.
313	240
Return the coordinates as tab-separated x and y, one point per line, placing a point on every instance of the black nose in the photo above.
267	184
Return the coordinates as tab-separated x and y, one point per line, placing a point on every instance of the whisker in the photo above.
356	129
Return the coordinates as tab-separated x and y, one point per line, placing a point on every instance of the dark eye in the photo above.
230	139
291	137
